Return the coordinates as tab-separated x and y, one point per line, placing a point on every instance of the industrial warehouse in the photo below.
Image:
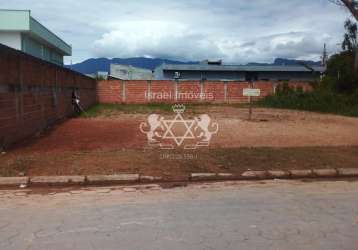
208	70
216	71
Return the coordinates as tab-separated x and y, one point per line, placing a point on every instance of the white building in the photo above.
19	30
128	72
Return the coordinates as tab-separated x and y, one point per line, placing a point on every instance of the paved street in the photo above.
232	215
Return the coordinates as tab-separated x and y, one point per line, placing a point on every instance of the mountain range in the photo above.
93	65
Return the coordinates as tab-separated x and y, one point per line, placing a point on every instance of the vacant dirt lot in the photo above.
269	128
113	143
283	128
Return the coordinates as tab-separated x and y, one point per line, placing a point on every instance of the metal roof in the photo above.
254	68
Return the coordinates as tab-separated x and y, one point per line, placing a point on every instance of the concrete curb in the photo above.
147	178
254	174
202	176
325	172
13	181
56	180
138	178
302	173
212	176
347	172
112	179
278	174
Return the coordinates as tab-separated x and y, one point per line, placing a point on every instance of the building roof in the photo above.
129	67
22	21
253	68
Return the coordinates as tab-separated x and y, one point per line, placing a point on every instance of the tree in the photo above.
350	37
352	6
340	76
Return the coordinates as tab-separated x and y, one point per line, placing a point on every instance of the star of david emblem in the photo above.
170	124
158	130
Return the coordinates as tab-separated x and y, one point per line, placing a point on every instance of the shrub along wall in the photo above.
35	94
166	91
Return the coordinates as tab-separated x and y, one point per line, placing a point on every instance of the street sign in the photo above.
251	92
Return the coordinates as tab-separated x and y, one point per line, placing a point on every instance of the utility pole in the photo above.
324	56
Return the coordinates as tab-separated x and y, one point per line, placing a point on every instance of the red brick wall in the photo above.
302	85
157	87
135	91
109	92
189	91
35	94
233	92
115	91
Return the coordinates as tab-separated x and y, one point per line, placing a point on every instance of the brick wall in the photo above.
118	91
35	94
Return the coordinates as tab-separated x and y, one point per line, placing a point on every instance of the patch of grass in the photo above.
108	109
112	109
317	100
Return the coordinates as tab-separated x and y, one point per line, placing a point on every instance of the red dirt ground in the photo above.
106	145
269	128
85	135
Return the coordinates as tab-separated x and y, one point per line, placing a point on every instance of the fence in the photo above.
163	91
35	94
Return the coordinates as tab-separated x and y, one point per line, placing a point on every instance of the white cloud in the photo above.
294	45
233	30
155	39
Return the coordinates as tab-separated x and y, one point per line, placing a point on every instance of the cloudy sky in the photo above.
237	31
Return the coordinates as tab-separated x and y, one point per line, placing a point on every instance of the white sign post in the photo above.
251	92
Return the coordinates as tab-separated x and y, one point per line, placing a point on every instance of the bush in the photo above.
318	100
336	93
340	75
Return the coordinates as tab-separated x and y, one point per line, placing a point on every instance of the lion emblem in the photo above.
154	122
203	123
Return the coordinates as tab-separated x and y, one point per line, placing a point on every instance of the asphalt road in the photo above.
233	215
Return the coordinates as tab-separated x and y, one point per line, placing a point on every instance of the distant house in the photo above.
215	70
128	72
100	75
19	30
